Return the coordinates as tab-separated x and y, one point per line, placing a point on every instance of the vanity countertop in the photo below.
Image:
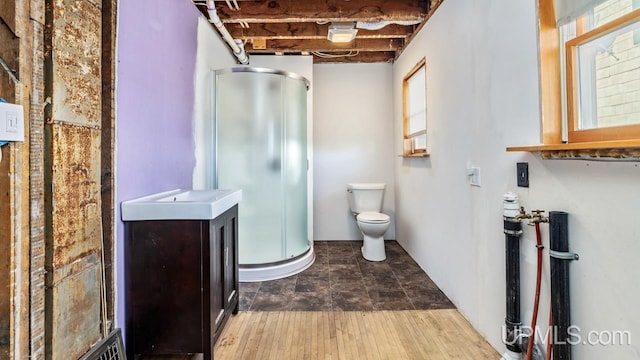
180	204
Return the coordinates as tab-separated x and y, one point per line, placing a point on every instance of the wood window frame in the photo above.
551	103
575	134
408	148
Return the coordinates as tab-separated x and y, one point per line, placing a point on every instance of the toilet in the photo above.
365	201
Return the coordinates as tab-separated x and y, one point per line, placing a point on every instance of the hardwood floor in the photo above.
302	335
411	334
326	312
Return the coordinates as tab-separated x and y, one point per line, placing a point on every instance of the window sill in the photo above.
416	155
615	150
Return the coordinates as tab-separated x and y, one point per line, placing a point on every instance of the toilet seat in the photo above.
372	217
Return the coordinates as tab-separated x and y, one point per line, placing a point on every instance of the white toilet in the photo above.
365	200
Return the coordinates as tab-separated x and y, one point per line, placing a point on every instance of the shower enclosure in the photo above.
261	148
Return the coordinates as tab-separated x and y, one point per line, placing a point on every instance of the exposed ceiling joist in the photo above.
276	11
286	27
310	31
294	46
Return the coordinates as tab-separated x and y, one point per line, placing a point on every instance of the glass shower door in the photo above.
249	157
295	171
261	148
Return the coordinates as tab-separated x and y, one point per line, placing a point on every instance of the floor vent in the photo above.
110	348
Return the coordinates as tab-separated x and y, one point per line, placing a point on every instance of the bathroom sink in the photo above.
180	205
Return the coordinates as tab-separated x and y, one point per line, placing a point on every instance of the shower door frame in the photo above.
212	180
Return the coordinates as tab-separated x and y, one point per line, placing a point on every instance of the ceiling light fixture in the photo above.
342	32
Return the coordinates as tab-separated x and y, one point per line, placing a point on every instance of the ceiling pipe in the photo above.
377	25
235	45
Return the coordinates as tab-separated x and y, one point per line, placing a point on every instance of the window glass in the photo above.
609	77
600	63
416	105
415	110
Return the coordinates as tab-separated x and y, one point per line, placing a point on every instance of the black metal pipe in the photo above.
512	231
559	267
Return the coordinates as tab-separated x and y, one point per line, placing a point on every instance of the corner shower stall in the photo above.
260	146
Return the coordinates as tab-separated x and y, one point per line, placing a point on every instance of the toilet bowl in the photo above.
365	201
373	225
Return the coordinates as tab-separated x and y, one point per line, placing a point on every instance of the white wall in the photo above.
482	81
353	142
212	54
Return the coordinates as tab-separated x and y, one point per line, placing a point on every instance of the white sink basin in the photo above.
180	205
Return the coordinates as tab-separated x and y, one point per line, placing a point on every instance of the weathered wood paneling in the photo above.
15	43
76	311
8	14
73	195
37	184
72	157
7	89
108	145
75	240
68	242
6	235
76	46
76	217
9	45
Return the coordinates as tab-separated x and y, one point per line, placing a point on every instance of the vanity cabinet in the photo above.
181	283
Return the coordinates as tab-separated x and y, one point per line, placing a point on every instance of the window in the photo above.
602	68
414	93
590	74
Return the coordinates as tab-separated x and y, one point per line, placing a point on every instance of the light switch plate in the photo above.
523	174
11	122
474	176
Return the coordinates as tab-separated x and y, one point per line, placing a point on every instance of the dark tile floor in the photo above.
341	279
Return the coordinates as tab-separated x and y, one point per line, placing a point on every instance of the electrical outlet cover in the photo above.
11	122
523	174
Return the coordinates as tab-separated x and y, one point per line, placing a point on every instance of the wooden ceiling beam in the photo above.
268	11
292	27
288	46
310	31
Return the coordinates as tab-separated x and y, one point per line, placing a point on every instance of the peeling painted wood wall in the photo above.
108	146
16	59
52	185
37	184
73	121
56	187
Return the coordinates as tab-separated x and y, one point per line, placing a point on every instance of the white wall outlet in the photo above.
11	122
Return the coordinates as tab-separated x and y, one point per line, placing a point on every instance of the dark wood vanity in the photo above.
181	283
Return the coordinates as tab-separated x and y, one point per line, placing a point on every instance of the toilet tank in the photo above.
365	196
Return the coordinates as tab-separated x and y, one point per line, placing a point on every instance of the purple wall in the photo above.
156	55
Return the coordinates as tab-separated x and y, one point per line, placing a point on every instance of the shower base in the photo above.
279	270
